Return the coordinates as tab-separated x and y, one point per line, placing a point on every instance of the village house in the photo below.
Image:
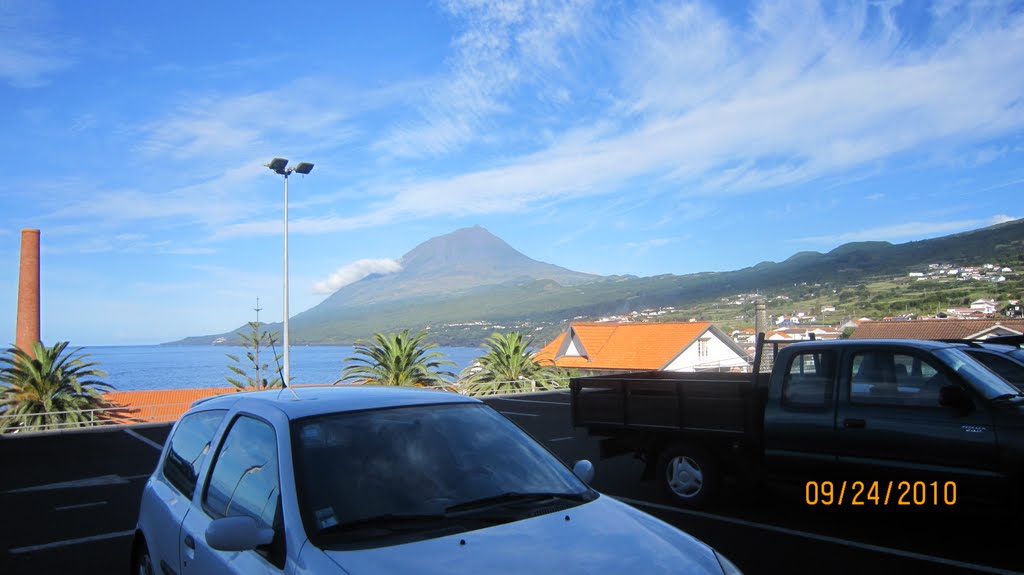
607	347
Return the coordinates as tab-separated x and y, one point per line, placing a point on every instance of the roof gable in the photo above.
627	346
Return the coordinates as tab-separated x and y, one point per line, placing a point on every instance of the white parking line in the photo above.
100	481
561	439
145	440
66	542
826	538
533	401
80	506
520	414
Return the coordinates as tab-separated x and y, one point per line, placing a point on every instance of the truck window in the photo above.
808	380
890	378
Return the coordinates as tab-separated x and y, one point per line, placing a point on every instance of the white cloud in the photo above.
1001	219
355	271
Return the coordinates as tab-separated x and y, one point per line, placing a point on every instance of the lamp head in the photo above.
278	165
304	168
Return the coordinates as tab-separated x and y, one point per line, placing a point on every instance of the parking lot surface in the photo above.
70	503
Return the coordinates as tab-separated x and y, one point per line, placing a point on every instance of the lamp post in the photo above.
278	165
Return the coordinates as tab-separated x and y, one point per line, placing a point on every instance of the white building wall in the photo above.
719	354
571	350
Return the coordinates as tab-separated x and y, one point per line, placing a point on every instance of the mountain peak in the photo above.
465	249
447	265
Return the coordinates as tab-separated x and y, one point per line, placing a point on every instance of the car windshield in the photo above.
405	466
981	378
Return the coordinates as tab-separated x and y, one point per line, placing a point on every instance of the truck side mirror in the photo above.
955	396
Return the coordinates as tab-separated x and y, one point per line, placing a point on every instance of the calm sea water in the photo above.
142	367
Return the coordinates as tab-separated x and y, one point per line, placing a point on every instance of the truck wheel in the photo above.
689	475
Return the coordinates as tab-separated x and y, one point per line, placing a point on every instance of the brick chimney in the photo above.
760	317
27	331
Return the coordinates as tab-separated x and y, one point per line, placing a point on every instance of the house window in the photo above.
702	347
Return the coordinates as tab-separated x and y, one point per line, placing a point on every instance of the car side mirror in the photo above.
955	396
237	533
584	470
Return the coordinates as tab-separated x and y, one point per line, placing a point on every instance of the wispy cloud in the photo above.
654	243
219	124
502	46
355	271
29	57
906	230
870	94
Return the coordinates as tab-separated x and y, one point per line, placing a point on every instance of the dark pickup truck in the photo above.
905	419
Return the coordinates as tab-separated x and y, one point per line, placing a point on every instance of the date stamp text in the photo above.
880	493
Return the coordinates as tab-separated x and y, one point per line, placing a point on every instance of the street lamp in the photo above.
278	165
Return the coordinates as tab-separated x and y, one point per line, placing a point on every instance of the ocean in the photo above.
145	367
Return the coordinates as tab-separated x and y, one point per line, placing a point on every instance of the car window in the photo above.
244	479
189	446
419	460
1005	368
891	378
808	381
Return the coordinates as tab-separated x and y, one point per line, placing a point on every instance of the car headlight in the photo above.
728	568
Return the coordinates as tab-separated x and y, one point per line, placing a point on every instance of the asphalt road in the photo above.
69	504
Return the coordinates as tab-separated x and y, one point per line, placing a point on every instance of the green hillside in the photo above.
864	278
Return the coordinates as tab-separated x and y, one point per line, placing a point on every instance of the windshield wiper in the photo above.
390	523
513	497
1008	397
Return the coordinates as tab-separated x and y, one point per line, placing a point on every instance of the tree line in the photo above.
50	388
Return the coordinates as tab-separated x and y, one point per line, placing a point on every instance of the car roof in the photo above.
298	402
926	344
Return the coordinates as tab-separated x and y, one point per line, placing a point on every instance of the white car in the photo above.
362	480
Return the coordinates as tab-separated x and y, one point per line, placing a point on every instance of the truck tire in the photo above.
689	475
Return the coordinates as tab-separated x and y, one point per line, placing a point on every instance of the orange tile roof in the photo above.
158	405
930	328
631	346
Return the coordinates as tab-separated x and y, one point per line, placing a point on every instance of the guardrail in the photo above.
119	415
169	412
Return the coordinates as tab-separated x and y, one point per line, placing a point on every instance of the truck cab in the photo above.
875	411
882	409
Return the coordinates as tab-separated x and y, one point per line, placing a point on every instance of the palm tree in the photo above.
51	390
509	366
397	359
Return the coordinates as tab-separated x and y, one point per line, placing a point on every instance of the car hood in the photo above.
604	536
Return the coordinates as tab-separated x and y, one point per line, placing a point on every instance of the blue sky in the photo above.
606	137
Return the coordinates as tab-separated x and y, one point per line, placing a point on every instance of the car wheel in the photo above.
688	475
142	562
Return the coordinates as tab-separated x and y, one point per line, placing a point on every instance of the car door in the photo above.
167	500
244	480
891	424
799	422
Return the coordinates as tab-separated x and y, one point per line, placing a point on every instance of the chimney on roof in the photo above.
27	330
760	317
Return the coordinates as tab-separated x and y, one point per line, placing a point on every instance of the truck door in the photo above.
799	421
890	423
